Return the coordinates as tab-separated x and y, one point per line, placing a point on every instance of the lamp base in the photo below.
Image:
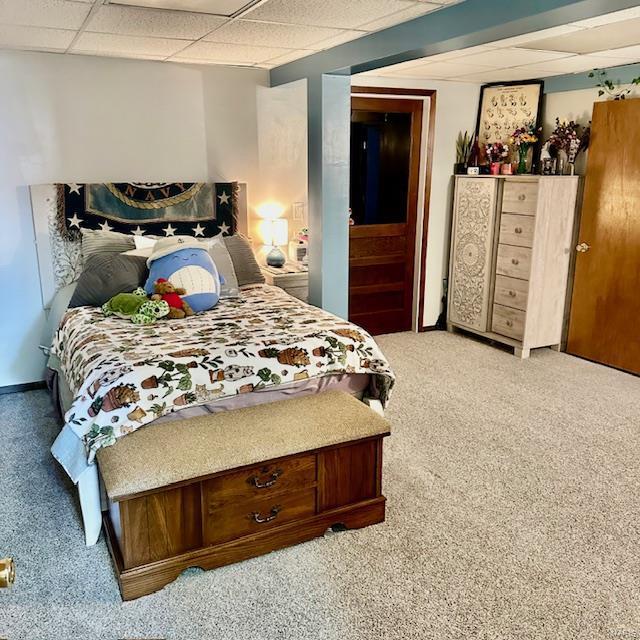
276	258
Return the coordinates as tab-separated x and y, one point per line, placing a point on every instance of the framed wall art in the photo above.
506	106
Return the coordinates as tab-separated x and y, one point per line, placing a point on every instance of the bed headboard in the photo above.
57	234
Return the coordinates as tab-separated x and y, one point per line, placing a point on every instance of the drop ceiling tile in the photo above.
217	7
14	37
56	14
500	58
412	11
288	57
107	44
334	41
444	70
610	18
501	75
625	53
136	21
326	13
521	40
576	64
229	53
610	36
271	34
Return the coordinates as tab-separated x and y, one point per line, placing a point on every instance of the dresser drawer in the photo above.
516	230
235	520
513	261
511	292
261	481
520	197
508	322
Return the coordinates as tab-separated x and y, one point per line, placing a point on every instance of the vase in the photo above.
506	169
523	150
495	168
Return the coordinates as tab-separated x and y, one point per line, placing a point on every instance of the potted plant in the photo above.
497	152
523	138
463	149
613	91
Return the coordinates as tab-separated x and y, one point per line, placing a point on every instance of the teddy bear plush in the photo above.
135	307
163	290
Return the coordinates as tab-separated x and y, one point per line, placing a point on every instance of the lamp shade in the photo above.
276	232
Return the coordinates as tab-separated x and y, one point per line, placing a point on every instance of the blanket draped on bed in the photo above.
124	376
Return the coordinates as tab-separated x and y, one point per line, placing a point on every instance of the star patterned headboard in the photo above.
61	211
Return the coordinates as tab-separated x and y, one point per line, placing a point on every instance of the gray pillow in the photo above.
244	261
220	254
107	274
97	241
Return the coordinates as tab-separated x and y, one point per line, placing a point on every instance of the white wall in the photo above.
84	119
456	110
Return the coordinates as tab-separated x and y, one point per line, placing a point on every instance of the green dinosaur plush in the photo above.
135	307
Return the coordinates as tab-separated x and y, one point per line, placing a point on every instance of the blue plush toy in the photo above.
186	264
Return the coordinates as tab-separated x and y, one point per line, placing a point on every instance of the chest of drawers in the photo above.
511	257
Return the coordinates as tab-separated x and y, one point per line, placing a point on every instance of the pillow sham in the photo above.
145	242
107	274
244	261
220	254
98	241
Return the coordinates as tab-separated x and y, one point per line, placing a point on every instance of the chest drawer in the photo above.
511	292
508	322
261	481
235	520
514	262
520	197
516	230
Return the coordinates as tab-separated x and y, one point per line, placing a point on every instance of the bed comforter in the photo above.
124	376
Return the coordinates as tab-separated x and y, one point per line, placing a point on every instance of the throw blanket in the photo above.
124	376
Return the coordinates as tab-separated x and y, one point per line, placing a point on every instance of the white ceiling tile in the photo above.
459	53
271	34
442	70
44	13
609	18
326	13
289	57
501	75
107	44
576	64
152	22
625	53
229	53
412	11
610	36
526	38
334	41
217	7
500	58
15	37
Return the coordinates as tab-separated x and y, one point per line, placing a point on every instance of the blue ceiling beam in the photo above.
468	24
576	81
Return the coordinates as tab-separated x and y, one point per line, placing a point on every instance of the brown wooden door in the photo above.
385	165
605	308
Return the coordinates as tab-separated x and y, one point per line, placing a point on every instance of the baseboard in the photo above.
25	386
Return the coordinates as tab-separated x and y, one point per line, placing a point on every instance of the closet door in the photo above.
605	305
472	252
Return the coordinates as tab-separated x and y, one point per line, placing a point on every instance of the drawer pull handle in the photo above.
260	519
518	230
522	197
255	481
509	323
512	294
515	261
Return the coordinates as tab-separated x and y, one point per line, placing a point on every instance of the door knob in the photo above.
7	572
583	247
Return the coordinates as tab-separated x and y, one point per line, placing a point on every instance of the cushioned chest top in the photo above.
163	454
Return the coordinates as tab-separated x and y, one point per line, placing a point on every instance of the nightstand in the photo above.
292	278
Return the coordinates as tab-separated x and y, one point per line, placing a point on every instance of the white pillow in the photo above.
142	253
144	242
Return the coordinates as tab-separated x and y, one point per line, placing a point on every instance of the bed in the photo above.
111	377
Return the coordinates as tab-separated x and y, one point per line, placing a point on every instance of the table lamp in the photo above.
276	234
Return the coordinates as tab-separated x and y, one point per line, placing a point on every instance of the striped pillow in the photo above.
97	241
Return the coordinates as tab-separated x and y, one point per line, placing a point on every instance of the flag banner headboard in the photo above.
62	211
144	208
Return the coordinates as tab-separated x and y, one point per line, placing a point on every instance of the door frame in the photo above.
419	274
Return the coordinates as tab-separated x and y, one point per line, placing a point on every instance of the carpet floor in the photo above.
513	513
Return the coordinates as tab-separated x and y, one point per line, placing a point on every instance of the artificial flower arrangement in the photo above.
497	153
523	138
569	137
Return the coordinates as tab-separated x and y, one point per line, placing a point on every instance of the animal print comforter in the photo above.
124	375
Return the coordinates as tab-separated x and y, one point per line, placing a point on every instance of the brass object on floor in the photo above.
7	572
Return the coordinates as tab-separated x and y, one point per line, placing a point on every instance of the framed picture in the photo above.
505	106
